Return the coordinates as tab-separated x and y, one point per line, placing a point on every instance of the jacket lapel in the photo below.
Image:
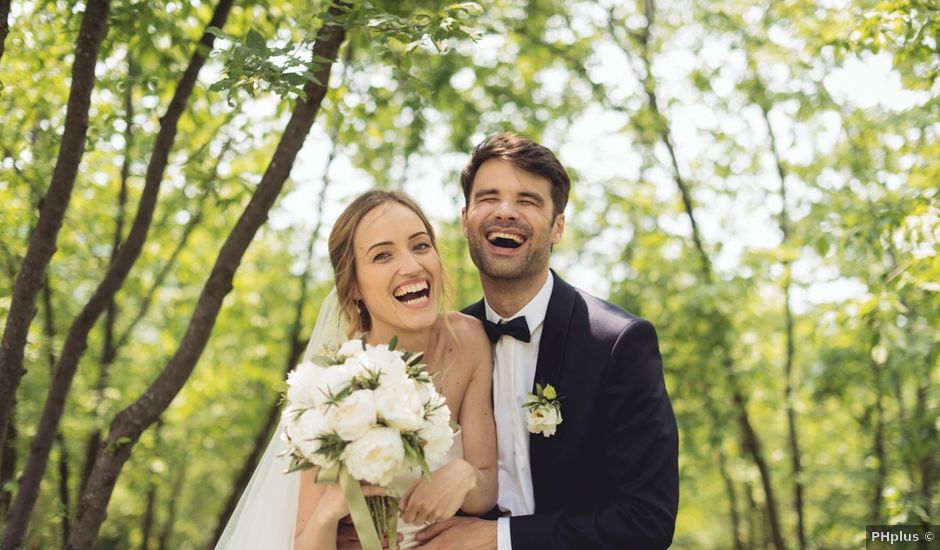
476	310
555	331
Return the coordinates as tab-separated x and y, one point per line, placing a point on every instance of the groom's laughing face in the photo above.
509	222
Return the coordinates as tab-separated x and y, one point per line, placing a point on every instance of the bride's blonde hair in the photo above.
343	254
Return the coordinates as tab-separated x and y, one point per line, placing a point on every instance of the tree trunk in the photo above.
750	438
796	461
8	468
757	529
926	428
878	446
732	500
108	349
9	268
792	437
42	241
132	421
63	465
4	23
167	267
147	521
77	339
64	486
753	447
167	531
294	340
94	440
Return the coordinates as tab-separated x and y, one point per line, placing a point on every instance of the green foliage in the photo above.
418	84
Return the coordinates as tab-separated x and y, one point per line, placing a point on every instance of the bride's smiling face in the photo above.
398	270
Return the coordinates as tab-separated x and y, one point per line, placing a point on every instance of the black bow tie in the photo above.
518	328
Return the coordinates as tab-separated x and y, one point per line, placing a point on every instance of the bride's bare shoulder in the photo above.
468	330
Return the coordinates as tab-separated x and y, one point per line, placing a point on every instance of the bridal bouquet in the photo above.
365	413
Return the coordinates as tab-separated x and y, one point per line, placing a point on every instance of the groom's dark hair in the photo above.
522	153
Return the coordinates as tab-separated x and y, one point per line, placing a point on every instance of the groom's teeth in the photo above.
500	235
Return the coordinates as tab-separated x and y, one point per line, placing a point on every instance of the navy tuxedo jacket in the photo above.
609	477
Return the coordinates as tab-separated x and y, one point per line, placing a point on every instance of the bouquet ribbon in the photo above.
359	510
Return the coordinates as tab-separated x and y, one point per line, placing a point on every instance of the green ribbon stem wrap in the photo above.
369	518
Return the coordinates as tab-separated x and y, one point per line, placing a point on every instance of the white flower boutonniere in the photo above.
544	410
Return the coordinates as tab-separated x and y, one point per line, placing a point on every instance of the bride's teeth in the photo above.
414	287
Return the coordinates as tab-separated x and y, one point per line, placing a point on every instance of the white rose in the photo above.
435	400
352	417
399	403
350	348
543	420
356	364
376	457
332	380
304	432
303	383
438	439
387	361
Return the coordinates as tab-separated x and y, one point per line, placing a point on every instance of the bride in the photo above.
389	283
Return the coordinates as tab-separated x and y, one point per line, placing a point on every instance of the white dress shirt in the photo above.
514	363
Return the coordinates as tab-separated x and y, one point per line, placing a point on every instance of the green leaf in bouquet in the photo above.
410	357
392	343
297	413
298	463
430	408
335	399
368	380
323	360
415	454
331	445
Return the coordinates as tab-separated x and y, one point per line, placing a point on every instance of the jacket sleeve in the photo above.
640	459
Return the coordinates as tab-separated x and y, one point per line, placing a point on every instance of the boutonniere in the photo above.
544	410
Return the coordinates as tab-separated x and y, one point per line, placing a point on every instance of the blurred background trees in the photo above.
757	178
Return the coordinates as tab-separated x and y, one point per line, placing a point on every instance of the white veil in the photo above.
267	510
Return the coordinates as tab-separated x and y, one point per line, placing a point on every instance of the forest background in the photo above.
758	178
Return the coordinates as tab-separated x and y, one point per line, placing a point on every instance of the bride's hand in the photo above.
332	506
440	497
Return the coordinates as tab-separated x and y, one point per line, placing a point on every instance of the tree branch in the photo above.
750	438
77	338
49	328
4	24
128	425
294	341
784	222
42	242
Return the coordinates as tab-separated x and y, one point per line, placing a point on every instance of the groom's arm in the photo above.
640	459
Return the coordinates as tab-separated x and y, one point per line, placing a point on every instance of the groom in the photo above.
608	476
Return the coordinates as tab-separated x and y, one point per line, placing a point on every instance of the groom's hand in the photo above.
347	539
459	533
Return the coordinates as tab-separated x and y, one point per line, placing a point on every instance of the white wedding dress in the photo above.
266	514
